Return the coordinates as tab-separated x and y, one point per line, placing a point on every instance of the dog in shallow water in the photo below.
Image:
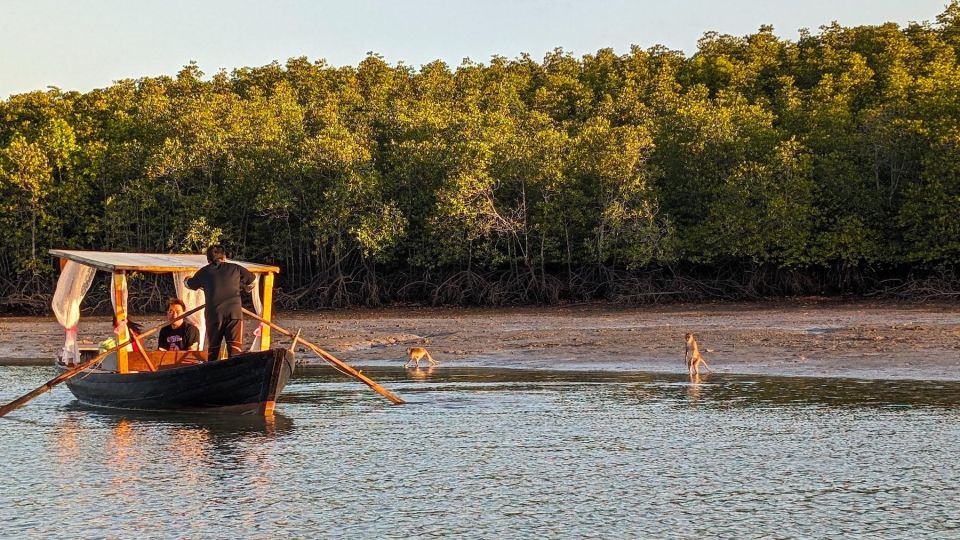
418	353
692	356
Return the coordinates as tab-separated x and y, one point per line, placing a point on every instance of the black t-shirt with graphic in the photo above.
179	339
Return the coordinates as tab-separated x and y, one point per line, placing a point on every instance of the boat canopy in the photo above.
76	275
109	261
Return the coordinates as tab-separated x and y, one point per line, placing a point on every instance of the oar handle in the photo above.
70	373
343	366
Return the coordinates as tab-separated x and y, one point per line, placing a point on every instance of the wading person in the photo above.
222	283
179	335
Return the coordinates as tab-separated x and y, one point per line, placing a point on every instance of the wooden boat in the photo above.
136	379
245	383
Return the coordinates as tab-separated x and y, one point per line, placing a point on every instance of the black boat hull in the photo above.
246	383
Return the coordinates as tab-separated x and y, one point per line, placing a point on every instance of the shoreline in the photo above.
803	338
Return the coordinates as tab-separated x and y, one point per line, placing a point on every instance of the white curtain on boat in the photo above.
192	299
258	309
74	282
126	308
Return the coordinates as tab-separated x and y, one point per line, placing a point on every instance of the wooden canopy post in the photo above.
267	310
120	312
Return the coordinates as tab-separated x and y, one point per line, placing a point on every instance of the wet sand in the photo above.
816	337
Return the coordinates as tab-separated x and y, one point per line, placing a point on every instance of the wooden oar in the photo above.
339	364
69	374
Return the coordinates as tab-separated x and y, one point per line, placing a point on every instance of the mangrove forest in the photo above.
756	166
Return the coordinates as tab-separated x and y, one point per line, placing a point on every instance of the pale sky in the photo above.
85	44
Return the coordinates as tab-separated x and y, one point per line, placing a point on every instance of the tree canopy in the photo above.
813	164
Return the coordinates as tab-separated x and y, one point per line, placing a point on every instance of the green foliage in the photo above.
196	237
837	150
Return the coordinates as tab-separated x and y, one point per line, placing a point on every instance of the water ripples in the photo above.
487	453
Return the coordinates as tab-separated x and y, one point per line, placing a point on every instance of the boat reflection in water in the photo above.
134	439
215	425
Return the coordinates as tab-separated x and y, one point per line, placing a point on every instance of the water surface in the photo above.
496	453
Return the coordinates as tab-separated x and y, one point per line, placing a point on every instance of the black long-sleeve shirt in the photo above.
222	284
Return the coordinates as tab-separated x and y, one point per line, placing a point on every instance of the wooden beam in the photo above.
267	310
120	312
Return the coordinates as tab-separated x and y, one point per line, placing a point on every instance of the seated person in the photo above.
178	335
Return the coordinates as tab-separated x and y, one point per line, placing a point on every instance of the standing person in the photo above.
179	335
222	282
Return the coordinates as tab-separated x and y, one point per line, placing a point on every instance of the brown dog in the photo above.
416	354
692	356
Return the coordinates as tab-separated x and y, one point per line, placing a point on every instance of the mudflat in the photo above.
808	337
